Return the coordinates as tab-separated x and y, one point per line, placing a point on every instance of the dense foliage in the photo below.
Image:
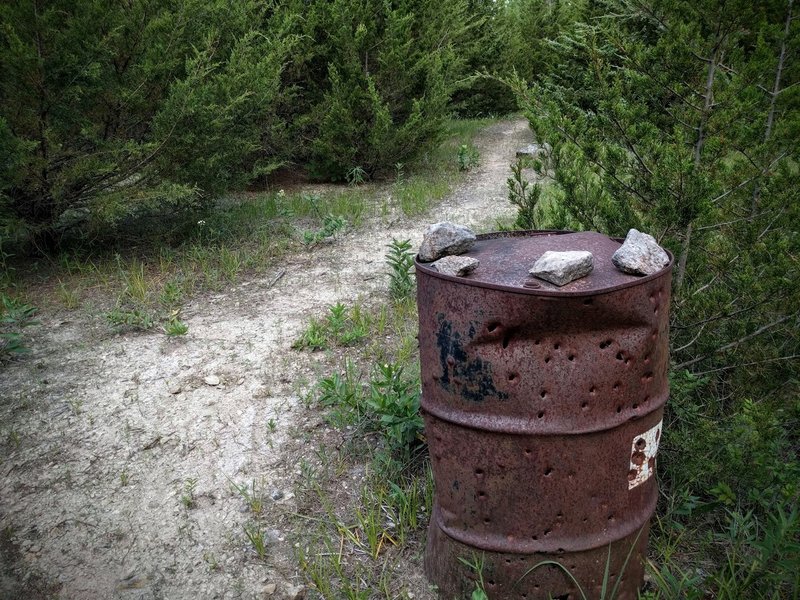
109	110
681	119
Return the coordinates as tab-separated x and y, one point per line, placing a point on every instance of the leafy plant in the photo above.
187	497
136	318
331	225
467	157
175	327
400	259
394	398
15	315
343	326
356	176
475	565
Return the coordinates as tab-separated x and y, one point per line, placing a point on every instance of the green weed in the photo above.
250	495
175	327
134	319
15	315
257	538
341	326
400	259
467	157
187	495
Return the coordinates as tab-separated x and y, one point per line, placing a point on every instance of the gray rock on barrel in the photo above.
562	267
445	239
640	255
457	266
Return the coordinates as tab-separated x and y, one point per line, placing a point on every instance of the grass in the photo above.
159	264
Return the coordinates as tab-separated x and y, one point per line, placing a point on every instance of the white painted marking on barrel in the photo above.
644	448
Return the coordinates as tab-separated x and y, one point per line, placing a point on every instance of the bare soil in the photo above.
100	432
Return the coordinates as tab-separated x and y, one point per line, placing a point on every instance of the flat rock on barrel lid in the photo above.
640	254
562	267
457	266
445	239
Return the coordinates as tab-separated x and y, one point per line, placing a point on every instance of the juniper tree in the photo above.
680	118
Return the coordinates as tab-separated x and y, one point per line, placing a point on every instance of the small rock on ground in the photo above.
294	592
445	239
269	589
562	267
640	254
175	388
457	266
534	150
212	380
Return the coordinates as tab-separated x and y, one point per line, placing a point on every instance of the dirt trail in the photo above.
102	434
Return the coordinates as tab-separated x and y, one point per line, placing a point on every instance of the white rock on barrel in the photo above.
640	254
562	267
445	239
457	266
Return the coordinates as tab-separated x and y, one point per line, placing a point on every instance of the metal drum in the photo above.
543	412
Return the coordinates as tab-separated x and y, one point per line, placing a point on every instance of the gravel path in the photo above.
102	436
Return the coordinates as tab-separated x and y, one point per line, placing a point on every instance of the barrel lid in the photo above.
506	257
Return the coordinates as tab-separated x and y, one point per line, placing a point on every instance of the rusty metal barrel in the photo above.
543	411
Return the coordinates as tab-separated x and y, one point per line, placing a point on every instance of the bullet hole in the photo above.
506	340
547	532
492	327
592	390
543	394
617	385
486	521
658	434
556	346
655	310
547	359
571	357
534	538
451	361
651	463
548	471
647	359
588	302
641	443
513	376
647	377
610	518
605	344
585	405
632	474
481	495
619	409
537	342
620	356
638	458
479	472
528	451
635	406
540	415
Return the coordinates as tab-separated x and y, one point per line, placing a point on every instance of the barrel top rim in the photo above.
506	257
